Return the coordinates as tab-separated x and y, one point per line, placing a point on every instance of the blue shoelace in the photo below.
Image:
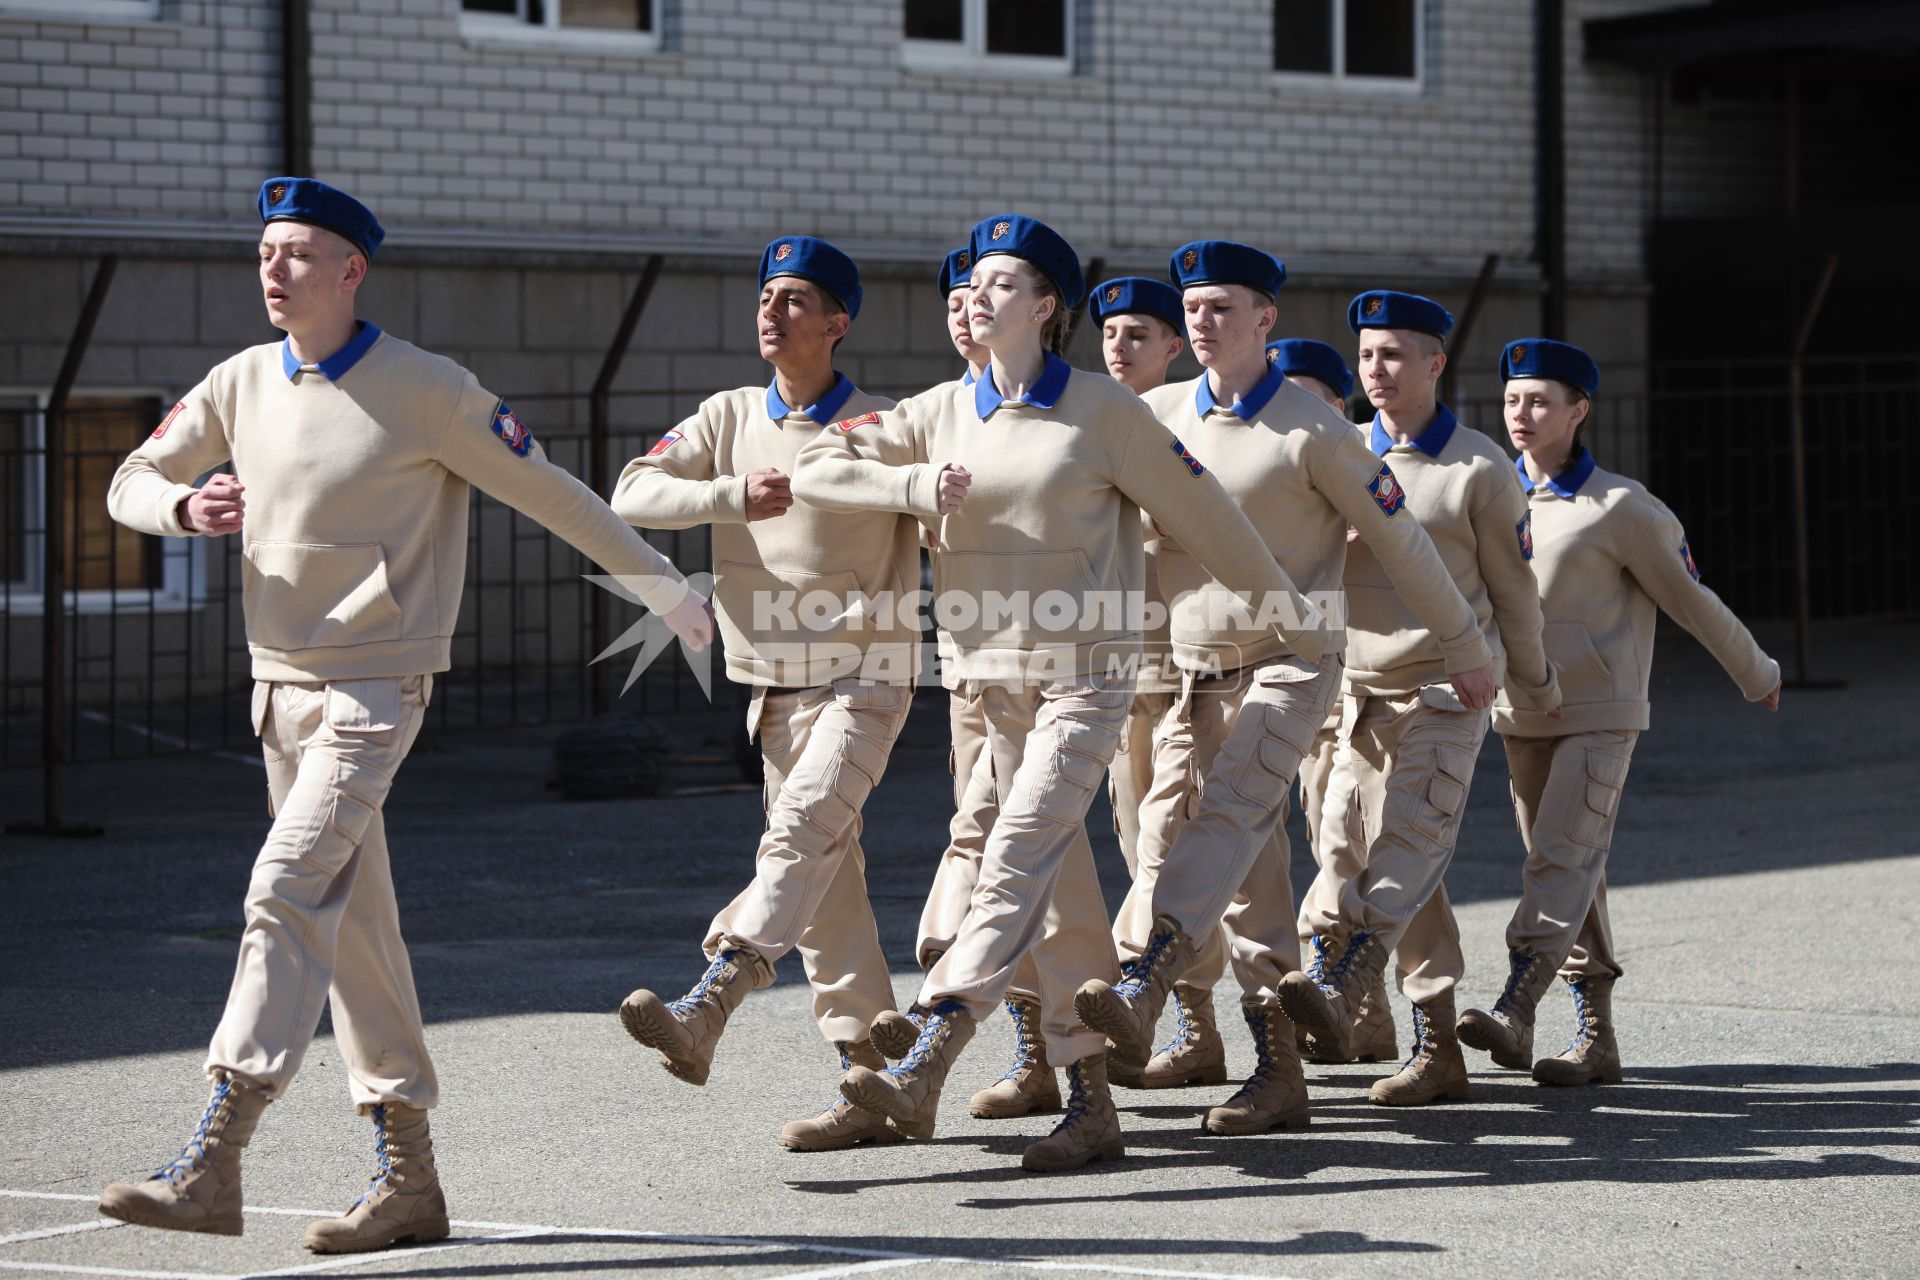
383	1158
178	1167
1021	1059
703	988
1520	965
1264	1066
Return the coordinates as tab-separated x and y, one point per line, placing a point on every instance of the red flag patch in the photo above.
864	420
667	442
167	421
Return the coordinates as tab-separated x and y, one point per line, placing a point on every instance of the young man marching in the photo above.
809	604
357	451
1408	745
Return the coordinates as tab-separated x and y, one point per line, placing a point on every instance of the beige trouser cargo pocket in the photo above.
1566	799
824	749
321	920
1037	916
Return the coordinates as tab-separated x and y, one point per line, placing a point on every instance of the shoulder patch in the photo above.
1686	558
167	421
1192	463
512	432
667	442
1525	530
864	420
1386	491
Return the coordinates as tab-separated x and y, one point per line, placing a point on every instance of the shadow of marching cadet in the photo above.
1746	1122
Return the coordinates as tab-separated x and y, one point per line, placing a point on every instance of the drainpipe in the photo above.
296	82
1550	164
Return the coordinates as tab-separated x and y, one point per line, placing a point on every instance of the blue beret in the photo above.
1545	358
1137	295
815	260
1388	309
955	270
315	203
1224	262
1315	359
1038	243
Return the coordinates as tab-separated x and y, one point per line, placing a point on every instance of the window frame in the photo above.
969	57
136	11
516	31
182	560
1338	81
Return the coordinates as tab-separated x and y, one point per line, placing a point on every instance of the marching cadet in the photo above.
1408	745
354	451
1254	702
1035	475
1608	556
1028	1084
1322	370
1141	323
808	603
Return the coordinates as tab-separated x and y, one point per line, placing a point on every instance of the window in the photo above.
1376	43
1016	37
81	10
604	25
104	560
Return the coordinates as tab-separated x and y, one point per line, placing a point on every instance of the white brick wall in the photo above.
760	116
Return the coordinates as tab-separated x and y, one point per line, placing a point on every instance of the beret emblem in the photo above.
276	193
1113	294
784	252
1273	357
1519	352
1191	260
1373	306
1001	229
960	263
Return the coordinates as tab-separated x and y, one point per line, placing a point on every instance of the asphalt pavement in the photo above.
1765	886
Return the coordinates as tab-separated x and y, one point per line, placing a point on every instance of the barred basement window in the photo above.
1366	43
604	25
992	37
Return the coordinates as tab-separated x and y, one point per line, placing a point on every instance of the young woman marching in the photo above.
1607	554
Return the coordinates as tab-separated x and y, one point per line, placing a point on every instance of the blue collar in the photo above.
1043	394
967	378
823	411
1568	482
1430	442
1246	406
335	366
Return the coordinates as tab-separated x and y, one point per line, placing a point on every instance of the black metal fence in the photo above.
156	660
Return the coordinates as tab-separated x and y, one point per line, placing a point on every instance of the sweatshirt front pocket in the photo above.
1021	599
789	605
313	595
1584	676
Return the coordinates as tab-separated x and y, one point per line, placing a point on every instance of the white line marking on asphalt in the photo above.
60	1268
873	1259
47	1233
858	1268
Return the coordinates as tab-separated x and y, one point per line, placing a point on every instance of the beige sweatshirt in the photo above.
806	597
1302	475
1036	570
1606	554
1464	493
355	536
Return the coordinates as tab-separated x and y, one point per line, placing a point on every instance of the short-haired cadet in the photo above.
1408	745
809	606
1609	557
1317	367
1142	323
356	453
1254	700
1036	474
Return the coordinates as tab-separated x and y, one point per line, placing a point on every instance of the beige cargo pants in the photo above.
824	749
321	921
1566	798
1250	728
1389	768
1037	895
